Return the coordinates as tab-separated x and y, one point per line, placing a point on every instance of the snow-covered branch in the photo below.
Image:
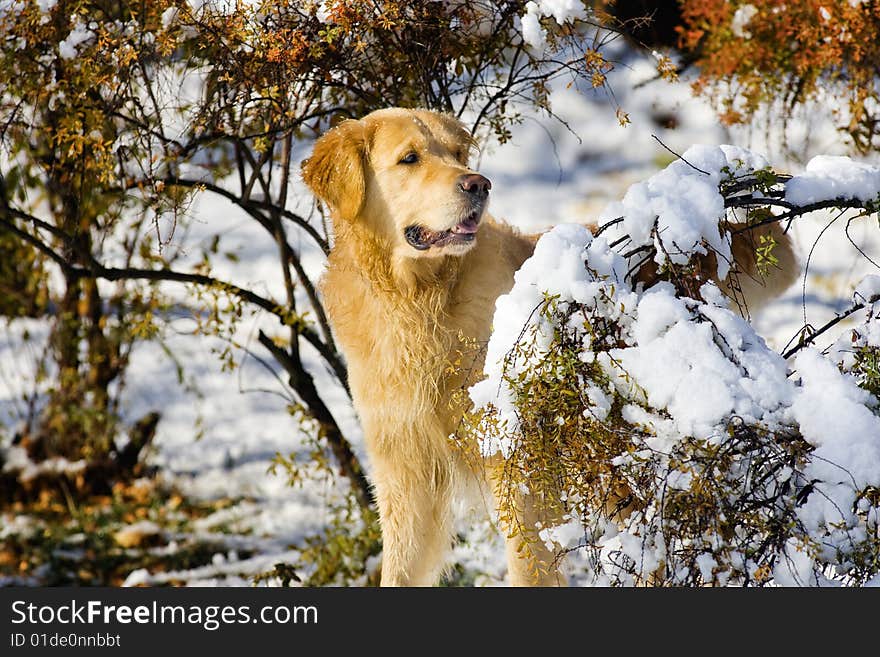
678	447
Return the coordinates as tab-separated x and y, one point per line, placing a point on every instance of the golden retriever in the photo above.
410	287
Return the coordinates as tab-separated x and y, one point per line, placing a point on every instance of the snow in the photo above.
567	534
18	525
796	569
562	11
169	16
555	270
687	366
323	10
741	18
80	33
530	24
833	414
676	361
868	289
219	573
678	209
682	369
672	358
830	177
15	459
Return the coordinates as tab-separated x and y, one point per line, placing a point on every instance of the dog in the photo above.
410	286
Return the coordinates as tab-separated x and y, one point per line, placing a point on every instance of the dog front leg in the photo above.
415	517
529	561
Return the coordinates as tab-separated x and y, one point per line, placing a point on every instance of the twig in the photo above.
809	259
809	339
607	225
95	269
304	385
856	246
793	210
695	168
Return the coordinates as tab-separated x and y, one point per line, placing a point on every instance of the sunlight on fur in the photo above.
410	289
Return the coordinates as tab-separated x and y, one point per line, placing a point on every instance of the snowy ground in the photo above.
543	176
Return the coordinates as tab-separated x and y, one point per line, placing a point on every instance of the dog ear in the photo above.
335	169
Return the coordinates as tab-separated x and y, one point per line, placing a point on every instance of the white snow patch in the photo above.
562	11
741	18
868	289
829	177
80	33
678	209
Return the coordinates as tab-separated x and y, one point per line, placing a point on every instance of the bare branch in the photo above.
37	243
680	157
303	383
808	338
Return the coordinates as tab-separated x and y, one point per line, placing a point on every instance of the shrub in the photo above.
670	444
771	52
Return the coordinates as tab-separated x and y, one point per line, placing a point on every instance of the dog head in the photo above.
404	175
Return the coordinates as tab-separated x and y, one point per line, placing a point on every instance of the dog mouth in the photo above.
422	238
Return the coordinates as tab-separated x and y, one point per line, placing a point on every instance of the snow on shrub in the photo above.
669	443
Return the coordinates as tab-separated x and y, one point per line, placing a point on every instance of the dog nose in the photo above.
474	183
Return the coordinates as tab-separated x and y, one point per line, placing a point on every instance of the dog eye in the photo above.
409	158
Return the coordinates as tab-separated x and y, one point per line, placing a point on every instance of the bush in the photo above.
670	444
120	114
754	53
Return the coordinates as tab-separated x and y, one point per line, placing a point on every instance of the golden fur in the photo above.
407	318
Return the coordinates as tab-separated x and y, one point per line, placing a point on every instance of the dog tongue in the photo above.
466	227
